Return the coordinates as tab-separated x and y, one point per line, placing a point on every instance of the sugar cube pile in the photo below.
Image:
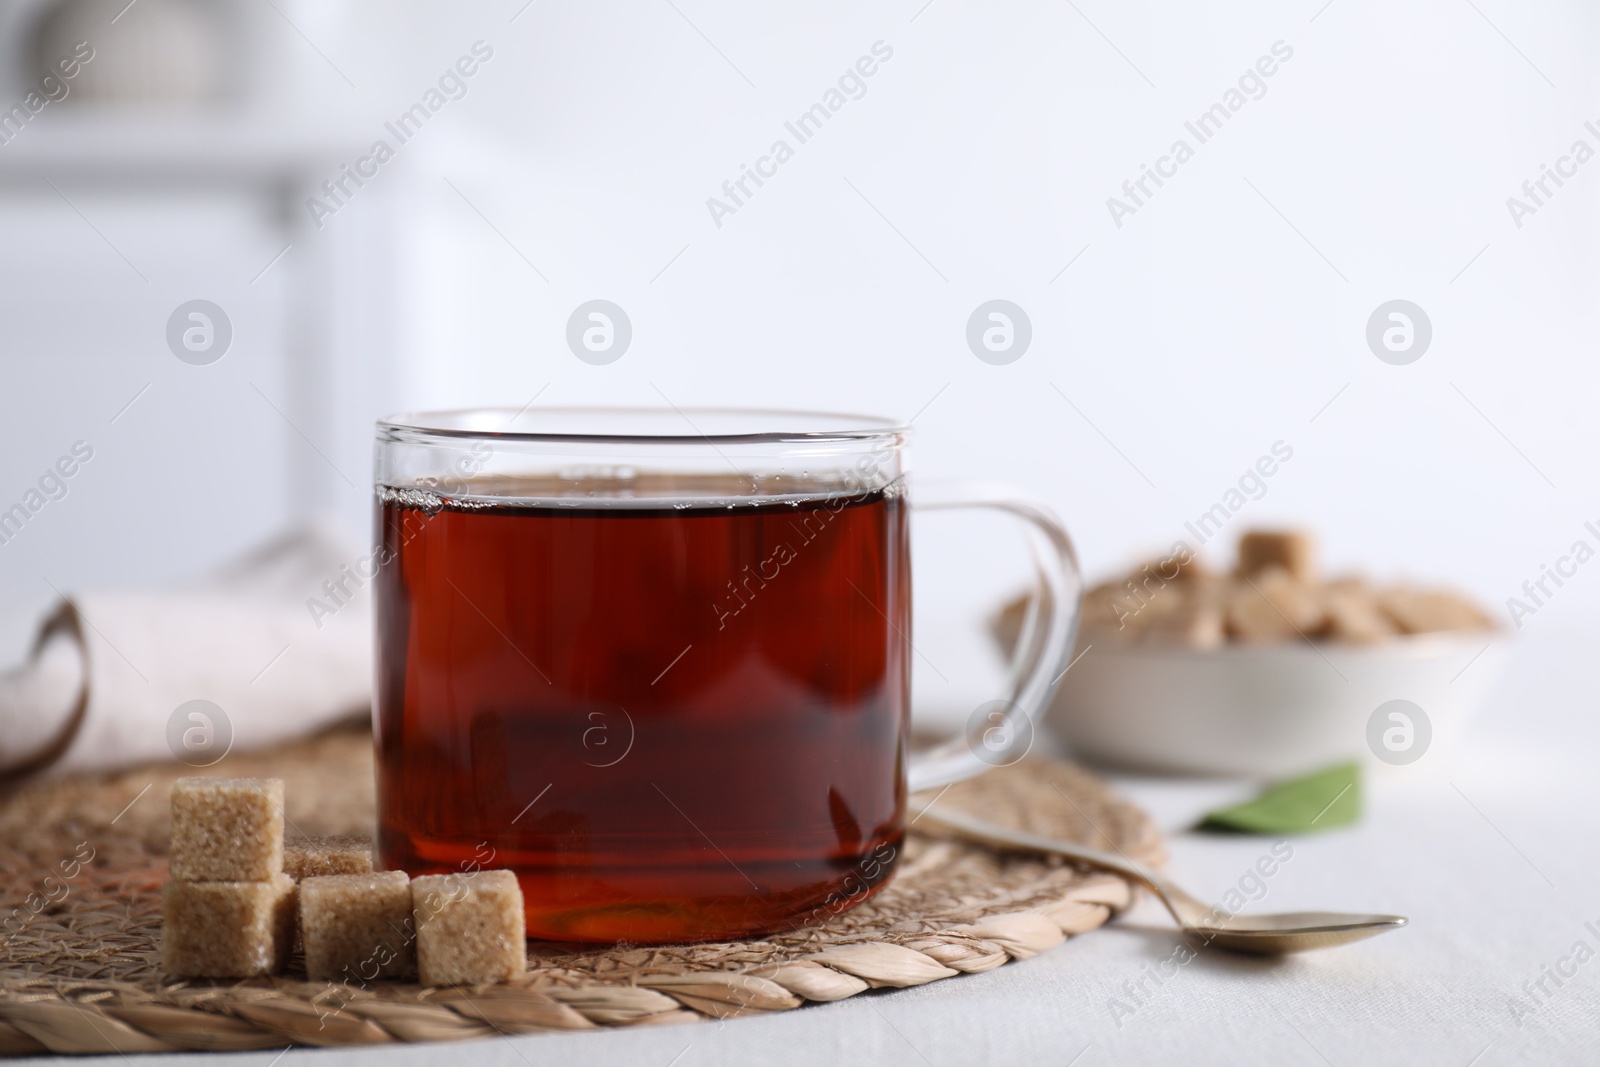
239	900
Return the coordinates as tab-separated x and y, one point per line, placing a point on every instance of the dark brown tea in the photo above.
675	721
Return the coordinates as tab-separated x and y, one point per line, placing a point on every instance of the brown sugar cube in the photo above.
1007	625
227	829
314	857
1100	603
1144	600
1252	618
1178	565
1110	612
1293	550
1272	606
1193	625
357	927
470	927
1350	612
1212	590
1350	583
226	929
1422	611
1145	584
1106	611
308	856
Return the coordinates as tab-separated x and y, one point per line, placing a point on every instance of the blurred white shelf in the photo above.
126	146
122	145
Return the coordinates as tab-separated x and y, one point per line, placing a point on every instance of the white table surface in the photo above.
1492	854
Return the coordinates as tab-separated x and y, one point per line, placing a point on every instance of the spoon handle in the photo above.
1174	899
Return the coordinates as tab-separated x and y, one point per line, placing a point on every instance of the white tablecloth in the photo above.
1493	856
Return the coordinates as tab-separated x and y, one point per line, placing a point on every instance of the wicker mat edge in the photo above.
90	1015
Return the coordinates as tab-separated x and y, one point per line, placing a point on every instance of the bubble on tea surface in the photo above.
416	499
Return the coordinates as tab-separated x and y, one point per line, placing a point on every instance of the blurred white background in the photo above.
1168	353
1228	313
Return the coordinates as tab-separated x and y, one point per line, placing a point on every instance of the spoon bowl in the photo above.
1294	931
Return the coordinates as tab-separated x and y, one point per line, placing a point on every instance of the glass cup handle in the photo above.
1044	646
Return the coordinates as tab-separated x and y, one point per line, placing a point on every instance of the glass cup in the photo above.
656	662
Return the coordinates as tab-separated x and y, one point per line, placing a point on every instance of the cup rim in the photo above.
698	424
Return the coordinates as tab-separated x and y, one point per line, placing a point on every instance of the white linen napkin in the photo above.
270	647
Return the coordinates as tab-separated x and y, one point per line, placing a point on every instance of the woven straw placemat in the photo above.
82	862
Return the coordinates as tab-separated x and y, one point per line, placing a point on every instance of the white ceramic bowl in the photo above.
1265	709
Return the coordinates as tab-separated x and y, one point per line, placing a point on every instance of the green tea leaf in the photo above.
1318	801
